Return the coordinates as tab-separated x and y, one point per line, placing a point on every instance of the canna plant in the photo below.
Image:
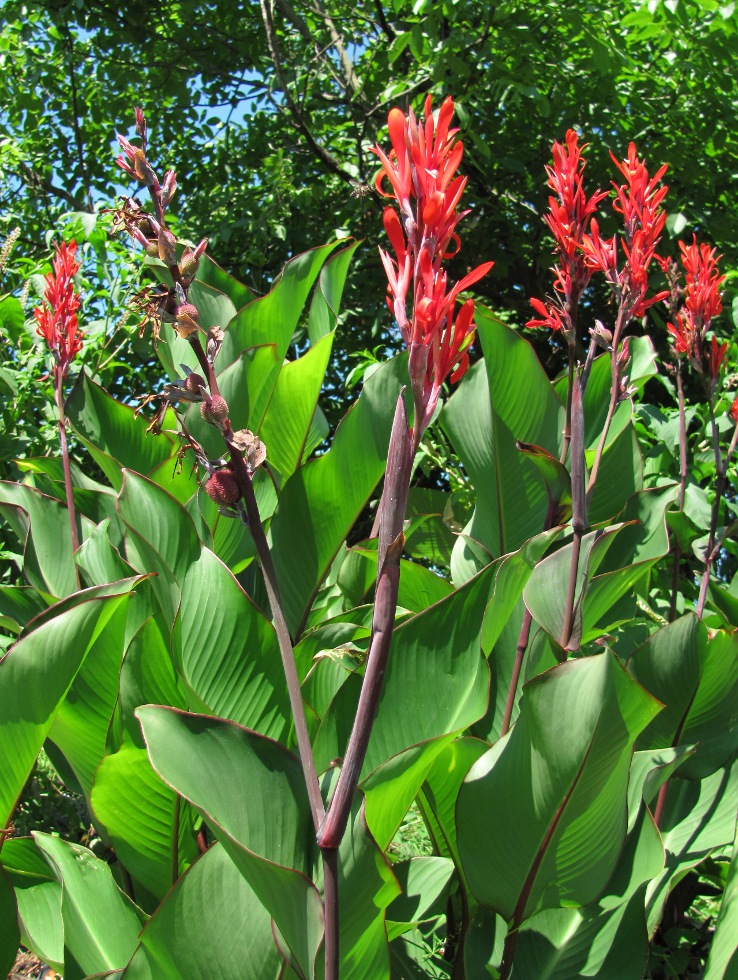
255	710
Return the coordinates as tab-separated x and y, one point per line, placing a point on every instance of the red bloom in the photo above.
57	319
421	169
734	410
568	219
638	200
702	302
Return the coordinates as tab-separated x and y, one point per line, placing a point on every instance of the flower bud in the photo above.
222	487
215	410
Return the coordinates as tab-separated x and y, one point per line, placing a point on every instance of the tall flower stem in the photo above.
579	508
682	487
59	398
615	370
711	551
390	544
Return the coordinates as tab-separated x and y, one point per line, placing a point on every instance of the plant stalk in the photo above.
390	545
578	506
710	552
59	398
682	488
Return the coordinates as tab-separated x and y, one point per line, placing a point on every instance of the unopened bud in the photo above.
222	487
187	317
194	383
188	264
152	249
215	410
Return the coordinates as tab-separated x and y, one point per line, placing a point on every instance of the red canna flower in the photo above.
734	410
638	200
57	318
570	213
422	169
702	303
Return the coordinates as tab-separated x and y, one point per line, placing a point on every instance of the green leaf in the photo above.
80	729
9	934
272	319
137	810
211	916
35	675
114	434
217	766
163	538
21	603
552	811
419	586
228	651
698	818
39	898
698	683
424	882
327	299
41	525
100	924
321	501
546	592
490	411
722	963
99	559
286	424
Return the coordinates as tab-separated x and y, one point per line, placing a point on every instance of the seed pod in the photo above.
215	410
187	317
222	487
194	383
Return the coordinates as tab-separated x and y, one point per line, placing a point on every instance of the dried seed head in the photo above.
194	383
222	487
215	410
187	317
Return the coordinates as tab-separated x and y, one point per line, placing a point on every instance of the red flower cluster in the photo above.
638	200
568	218
702	302
57	319
421	169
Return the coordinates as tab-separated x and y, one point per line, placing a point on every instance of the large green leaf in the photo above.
41	525
546	592
484	419
252	792
80	729
211	923
228	651
698	683
35	675
138	812
410	711
9	934
551	810
321	501
327	298
722	963
162	537
272	319
698	818
113	433
286	424
101	925
39	899
437	799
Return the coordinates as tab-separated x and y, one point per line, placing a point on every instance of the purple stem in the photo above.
59	398
390	545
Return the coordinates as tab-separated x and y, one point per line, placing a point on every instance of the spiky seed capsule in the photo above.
223	488
194	383
215	410
187	317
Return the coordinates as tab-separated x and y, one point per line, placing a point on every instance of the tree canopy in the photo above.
268	113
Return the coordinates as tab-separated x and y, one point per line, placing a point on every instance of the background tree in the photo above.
268	114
